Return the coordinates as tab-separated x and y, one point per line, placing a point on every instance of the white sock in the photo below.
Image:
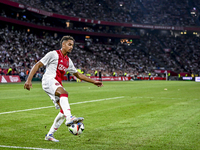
57	123
64	103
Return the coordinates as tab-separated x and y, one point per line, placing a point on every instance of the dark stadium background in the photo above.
134	37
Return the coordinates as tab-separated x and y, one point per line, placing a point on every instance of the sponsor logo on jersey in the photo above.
62	67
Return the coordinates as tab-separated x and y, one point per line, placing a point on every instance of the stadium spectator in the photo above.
9	71
1	71
22	76
100	76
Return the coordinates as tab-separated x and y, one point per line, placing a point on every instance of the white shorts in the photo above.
50	86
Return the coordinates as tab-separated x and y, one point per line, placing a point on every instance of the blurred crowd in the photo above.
185	51
160	12
61	23
167	12
20	50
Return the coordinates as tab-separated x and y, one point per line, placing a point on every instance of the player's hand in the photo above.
98	83
27	85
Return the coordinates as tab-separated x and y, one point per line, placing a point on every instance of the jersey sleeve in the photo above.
71	69
47	58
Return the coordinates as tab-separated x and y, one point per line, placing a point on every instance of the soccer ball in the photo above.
76	129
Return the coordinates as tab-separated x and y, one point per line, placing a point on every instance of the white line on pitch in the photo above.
96	100
9	112
18	147
163	98
157	97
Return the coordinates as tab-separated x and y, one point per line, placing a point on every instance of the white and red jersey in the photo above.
57	65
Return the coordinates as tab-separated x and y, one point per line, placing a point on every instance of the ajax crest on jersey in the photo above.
76	129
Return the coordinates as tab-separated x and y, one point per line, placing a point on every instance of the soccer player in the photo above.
57	64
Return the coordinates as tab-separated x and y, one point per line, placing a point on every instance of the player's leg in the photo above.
50	86
56	124
64	104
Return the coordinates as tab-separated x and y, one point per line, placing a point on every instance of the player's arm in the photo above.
34	69
83	77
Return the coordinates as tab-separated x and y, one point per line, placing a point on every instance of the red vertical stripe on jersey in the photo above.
63	64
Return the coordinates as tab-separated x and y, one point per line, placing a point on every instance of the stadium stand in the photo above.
21	50
165	12
22	46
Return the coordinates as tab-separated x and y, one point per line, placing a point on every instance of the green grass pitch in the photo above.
148	115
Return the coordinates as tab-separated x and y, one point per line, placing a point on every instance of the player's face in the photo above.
67	46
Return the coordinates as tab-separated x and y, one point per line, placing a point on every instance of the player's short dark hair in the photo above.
66	38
